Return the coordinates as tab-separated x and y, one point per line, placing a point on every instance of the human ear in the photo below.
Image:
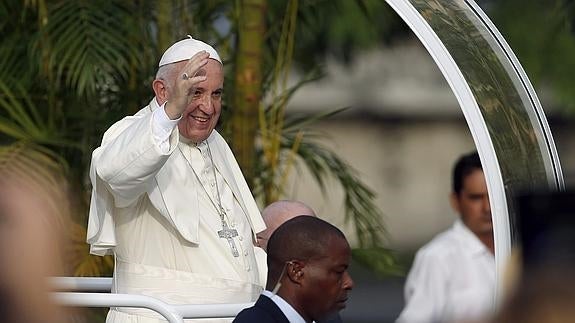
295	271
454	200
160	90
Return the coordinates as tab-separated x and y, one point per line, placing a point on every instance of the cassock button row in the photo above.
246	253
241	238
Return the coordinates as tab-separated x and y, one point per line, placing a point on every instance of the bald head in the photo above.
277	213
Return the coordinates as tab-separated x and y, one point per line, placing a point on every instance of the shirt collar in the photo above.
154	104
469	239
292	315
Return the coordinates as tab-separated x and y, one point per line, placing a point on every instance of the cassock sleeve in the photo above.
122	169
129	158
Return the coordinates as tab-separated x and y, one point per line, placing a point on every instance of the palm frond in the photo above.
22	121
87	40
18	24
296	122
360	209
20	109
283	97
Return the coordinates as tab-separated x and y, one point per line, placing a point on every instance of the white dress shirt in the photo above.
452	278
292	315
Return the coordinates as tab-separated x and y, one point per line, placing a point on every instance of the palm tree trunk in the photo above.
248	83
164	18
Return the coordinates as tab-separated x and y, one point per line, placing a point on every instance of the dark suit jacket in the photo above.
264	310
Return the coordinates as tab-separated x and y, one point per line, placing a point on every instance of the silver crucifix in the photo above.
229	234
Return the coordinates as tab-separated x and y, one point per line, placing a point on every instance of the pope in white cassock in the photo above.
169	199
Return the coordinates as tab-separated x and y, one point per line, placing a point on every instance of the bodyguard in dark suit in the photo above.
307	274
264	310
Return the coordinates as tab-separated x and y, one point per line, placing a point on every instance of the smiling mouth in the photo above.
200	119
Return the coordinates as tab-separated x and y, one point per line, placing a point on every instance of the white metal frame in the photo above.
557	175
118	300
95	292
81	284
477	127
477	124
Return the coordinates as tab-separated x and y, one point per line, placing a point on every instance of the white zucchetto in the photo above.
185	49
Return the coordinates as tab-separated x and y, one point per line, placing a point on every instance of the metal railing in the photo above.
95	292
81	284
118	300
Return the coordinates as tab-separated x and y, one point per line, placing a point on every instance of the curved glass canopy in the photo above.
498	101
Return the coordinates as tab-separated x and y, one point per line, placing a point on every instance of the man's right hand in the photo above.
185	83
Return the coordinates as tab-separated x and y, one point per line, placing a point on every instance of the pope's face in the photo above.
203	112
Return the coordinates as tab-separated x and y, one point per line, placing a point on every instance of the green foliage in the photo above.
288	142
338	28
87	53
542	35
62	66
69	69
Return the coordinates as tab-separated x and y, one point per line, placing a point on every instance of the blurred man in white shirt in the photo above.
453	276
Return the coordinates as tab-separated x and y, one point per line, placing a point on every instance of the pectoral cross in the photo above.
229	234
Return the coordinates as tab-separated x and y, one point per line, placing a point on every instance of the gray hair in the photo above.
166	73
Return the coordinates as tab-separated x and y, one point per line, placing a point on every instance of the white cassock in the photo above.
262	260
157	212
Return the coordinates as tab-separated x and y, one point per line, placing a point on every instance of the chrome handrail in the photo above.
118	300
81	284
94	292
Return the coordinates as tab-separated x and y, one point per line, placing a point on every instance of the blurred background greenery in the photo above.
69	69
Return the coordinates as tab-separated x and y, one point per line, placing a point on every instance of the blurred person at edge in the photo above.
453	276
543	284
169	200
307	280
34	212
